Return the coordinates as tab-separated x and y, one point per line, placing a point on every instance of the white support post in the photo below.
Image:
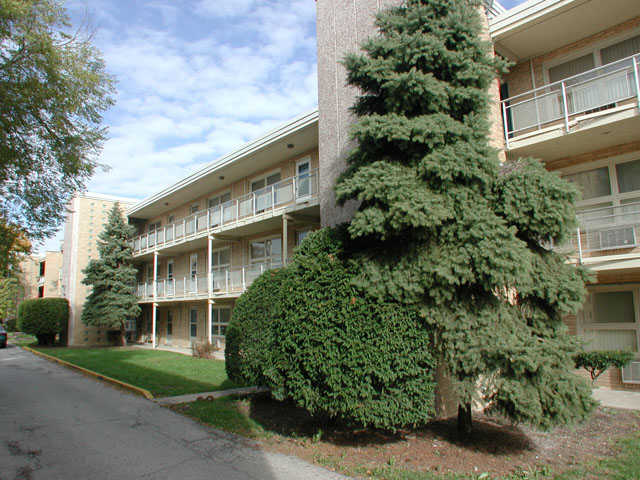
636	77
244	281
209	260
565	107
153	324
505	124
209	315
155	295
273	197
285	238
579	245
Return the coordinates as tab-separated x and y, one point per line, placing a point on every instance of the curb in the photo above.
127	386
193	397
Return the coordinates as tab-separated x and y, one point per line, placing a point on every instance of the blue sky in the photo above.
196	79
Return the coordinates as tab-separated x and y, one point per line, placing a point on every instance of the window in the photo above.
169	323
221	259
592	183
42	266
130	325
609	320
571	68
194	208
219	199
301	235
170	219
41	291
193	323
268	251
265	181
620	50
149	273
219	320
152	227
170	270
303	180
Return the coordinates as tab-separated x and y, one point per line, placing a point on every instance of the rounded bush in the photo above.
314	338
43	317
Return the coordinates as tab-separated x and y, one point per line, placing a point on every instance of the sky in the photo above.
195	79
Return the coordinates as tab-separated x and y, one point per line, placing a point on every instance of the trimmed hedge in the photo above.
312	337
43	317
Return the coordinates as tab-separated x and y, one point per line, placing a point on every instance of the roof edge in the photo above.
291	126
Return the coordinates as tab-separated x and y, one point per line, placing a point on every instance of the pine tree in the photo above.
442	225
112	300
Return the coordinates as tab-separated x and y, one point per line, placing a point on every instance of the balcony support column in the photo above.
154	311
565	107
636	77
285	237
209	315
209	261
155	296
579	245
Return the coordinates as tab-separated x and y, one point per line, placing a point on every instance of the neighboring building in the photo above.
40	276
203	240
572	100
86	215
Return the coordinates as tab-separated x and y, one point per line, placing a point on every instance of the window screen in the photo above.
628	176
612	340
620	50
613	307
593	183
571	68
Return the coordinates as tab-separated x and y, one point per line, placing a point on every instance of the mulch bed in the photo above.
495	446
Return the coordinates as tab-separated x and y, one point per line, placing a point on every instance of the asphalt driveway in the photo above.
58	424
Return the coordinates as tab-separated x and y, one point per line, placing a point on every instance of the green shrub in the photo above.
249	336
599	361
43	317
312	337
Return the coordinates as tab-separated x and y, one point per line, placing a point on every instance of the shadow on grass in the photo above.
162	373
284	418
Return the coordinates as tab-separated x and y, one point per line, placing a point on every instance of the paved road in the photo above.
58	424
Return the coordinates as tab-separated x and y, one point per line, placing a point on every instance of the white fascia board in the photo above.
270	137
527	12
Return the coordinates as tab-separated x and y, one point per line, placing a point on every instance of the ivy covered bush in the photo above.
314	338
43	317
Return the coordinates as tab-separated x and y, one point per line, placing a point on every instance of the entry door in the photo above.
303	180
170	283
193	269
193	324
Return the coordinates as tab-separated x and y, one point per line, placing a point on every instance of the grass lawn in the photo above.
164	374
605	447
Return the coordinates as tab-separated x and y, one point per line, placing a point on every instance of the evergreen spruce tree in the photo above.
442	225
112	300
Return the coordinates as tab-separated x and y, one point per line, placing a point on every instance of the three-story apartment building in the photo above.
571	100
202	241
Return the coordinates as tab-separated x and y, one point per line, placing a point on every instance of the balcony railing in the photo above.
597	89
605	229
223	281
289	191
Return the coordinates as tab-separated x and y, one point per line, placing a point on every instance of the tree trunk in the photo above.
123	336
464	420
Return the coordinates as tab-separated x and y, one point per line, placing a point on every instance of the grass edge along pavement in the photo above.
140	391
164	374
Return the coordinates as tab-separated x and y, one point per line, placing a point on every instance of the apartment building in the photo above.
41	276
571	100
202	241
86	215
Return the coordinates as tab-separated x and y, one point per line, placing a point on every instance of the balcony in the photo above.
261	204
224	282
606	232
575	115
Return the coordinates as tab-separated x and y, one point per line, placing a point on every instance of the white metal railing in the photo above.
286	192
607	228
223	281
596	89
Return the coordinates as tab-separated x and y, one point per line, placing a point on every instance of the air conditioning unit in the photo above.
631	373
624	237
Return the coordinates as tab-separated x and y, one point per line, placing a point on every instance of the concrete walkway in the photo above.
617	398
192	397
